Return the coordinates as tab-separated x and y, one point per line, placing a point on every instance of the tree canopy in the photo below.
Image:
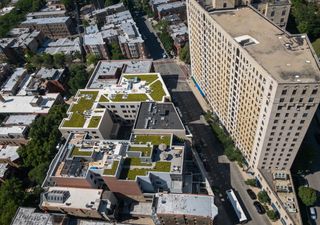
263	197
273	215
78	77
92	59
185	54
115	51
307	195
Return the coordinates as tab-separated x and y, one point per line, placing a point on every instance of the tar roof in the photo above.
51	20
187	204
30	217
158	116
282	56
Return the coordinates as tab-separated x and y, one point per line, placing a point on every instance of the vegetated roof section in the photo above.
145	150
282	55
80	152
153	139
131	173
112	170
94	121
103	98
79	108
149	78
134	161
158	116
130	98
157	91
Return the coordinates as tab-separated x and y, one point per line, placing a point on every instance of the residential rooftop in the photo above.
186	204
3	169
15	78
19	119
50	14
108	71
28	104
9	152
288	58
93	39
13	130
118	18
31	217
66	197
178	29
62	45
170	5
158	116
158	2
49	74
44	21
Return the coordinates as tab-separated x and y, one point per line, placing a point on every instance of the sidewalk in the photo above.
204	105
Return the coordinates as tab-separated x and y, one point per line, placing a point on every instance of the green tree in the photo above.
185	54
37	174
47	60
36	61
68	4
92	59
166	41
251	182
263	197
307	195
11	196
78	78
59	60
273	215
115	51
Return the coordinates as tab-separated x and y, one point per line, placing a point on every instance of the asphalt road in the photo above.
223	175
152	42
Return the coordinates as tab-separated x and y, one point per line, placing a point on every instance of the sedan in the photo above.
259	207
251	194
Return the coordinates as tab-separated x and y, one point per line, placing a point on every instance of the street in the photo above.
149	36
223	175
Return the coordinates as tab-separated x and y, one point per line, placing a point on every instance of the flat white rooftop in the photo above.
287	58
78	198
21	104
20	119
9	152
186	204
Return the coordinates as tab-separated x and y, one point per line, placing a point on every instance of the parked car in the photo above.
164	55
251	194
313	213
259	207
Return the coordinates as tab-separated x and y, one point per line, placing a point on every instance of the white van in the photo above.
313	213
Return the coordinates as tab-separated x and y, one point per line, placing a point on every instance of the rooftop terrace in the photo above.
288	58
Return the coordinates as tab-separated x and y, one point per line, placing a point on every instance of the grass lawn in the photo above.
77	120
316	46
103	99
130	98
157	91
148	78
145	151
111	171
94	121
76	152
154	139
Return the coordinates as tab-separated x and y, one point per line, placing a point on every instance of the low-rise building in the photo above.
179	34
31	216
14	129
94	44
109	71
28	104
14	83
99	16
9	160
7	54
158	118
45	81
170	8
154	3
47	14
53	27
80	202
182	209
66	46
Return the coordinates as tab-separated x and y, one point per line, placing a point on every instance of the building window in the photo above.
224	5
283	12
272	13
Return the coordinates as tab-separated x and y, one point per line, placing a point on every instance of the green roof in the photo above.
130	98
157	91
154	139
77	152
131	174
94	121
145	151
103	99
111	171
84	103
134	161
149	78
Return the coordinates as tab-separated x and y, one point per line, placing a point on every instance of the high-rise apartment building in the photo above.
262	82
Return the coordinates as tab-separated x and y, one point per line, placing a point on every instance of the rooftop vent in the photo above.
246	40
